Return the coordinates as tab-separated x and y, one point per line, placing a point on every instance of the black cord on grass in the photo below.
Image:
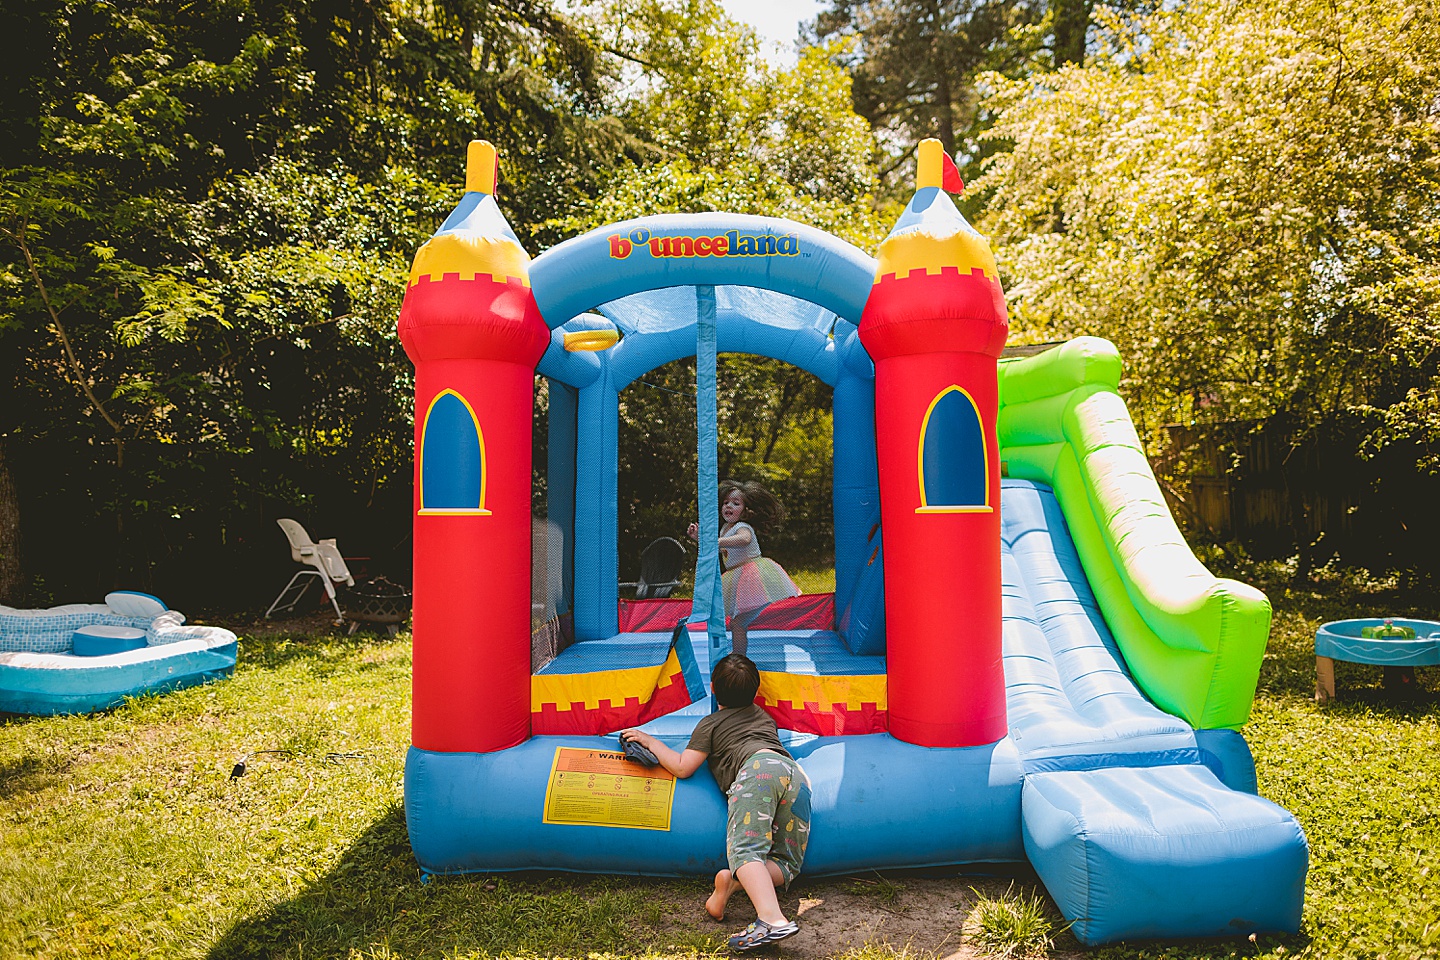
340	757
238	770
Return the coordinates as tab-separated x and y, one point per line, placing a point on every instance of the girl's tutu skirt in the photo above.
751	586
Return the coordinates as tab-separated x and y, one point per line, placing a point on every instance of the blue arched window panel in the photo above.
953	464
452	458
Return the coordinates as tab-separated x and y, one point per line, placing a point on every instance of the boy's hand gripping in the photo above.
636	751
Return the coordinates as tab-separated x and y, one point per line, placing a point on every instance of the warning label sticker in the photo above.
601	788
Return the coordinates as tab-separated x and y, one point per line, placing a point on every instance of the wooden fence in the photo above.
1280	494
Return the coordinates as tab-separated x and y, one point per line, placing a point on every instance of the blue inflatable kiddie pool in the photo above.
84	657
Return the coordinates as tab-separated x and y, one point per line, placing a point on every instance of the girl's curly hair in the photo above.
762	509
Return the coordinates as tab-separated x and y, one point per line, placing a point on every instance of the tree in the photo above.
914	63
206	212
1246	199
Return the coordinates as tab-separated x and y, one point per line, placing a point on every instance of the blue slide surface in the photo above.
1139	825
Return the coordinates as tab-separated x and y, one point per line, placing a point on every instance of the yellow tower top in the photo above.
929	164
482	167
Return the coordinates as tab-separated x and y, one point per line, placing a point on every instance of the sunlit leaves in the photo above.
733	131
1242	196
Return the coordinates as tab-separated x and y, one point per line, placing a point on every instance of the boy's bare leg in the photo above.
725	885
760	880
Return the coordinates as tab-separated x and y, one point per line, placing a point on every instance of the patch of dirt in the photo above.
914	914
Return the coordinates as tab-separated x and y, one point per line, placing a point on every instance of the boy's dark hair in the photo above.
736	680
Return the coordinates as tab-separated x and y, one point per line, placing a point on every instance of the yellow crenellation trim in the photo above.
615	687
963	250
471	257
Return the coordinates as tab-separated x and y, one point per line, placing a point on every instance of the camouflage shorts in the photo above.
769	814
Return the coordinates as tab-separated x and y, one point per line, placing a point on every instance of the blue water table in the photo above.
1396	644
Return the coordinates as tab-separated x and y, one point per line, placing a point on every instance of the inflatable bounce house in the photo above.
1021	660
84	657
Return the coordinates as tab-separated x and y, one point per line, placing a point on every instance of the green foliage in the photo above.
731	131
1013	924
915	65
206	214
1243	198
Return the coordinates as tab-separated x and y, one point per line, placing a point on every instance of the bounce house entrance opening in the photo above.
606	651
552	526
774	427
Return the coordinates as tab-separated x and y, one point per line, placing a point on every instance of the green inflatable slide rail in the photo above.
1193	641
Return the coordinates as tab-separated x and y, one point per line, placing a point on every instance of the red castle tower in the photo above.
935	324
470	325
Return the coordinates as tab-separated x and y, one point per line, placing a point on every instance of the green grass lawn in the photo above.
123	834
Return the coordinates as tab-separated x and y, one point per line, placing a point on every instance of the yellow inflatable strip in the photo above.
482	166
851	692
498	258
591	339
564	690
929	164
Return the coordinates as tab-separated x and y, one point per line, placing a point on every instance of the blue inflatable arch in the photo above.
613	262
781	290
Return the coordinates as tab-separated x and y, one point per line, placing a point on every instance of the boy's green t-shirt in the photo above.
730	736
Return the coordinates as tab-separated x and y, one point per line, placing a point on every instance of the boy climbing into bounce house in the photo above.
768	823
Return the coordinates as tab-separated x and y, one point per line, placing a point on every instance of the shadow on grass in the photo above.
1363	702
31	773
1210	948
373	902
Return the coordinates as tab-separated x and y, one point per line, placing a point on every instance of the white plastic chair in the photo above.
324	557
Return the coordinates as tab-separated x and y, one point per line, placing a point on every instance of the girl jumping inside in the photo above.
751	582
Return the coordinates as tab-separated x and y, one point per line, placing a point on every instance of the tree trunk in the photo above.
944	90
1297	511
1072	22
11	577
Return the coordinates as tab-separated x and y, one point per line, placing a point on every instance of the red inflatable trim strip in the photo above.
827	721
814	611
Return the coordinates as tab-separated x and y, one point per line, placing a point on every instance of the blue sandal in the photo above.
760	933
